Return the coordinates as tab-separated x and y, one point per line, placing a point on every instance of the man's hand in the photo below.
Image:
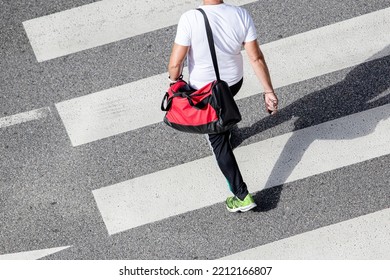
271	102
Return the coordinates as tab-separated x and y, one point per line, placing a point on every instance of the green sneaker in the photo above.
234	204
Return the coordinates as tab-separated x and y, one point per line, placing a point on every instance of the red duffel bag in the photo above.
209	110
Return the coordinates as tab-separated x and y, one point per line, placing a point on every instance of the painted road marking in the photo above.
292	156
24	117
364	238
124	108
32	255
102	23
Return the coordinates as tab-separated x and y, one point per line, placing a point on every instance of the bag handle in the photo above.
166	100
210	39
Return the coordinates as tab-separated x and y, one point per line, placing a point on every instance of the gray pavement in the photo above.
45	183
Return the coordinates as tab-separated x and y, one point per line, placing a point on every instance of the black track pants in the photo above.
226	160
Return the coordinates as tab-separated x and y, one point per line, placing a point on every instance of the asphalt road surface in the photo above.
89	171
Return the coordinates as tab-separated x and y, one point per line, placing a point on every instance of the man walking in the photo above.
232	28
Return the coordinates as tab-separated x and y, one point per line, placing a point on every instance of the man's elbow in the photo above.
257	59
174	66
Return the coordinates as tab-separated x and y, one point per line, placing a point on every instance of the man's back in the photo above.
231	26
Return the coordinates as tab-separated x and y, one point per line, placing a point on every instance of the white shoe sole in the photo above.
242	209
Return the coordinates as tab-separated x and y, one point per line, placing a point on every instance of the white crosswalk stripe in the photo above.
32	255
24	117
293	156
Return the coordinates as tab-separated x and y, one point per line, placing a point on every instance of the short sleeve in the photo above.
250	34
183	33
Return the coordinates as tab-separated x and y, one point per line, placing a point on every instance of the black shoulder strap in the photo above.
211	43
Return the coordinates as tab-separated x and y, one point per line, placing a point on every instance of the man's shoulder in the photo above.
190	13
187	18
228	8
238	9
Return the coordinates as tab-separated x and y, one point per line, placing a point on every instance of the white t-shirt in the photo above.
231	26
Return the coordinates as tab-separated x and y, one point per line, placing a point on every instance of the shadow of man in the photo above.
365	87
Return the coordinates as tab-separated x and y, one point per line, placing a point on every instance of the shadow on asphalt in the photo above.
360	91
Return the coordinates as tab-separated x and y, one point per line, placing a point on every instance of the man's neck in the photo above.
212	2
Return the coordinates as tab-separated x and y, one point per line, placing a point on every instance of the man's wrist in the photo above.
174	81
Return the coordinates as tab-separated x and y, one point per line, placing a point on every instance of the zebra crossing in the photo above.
298	164
101	23
120	109
290	157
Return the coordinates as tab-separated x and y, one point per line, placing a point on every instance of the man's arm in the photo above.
259	65
176	61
